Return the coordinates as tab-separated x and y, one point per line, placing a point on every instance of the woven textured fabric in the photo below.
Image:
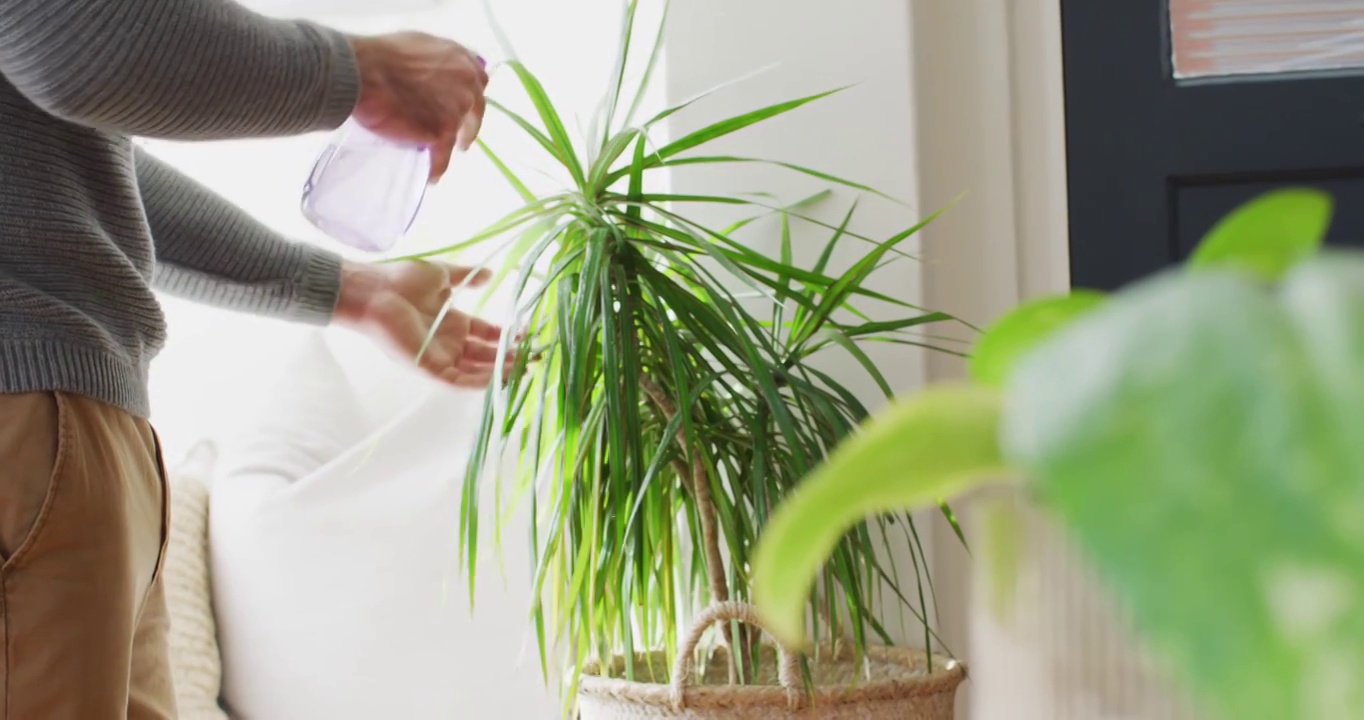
196	666
896	683
900	688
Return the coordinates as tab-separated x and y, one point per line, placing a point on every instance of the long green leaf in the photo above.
849	283
861	357
937	444
1269	235
784	210
732	125
677	162
888	326
520	187
515	219
612	149
555	151
499	33
669	112
618	73
1023	328
650	66
554	126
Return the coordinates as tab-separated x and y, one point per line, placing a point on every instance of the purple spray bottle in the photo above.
365	190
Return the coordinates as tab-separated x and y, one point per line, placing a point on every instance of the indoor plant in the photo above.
672	400
1196	434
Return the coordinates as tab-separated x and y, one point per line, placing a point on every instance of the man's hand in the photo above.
421	89
397	305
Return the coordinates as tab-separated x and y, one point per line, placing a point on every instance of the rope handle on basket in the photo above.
788	663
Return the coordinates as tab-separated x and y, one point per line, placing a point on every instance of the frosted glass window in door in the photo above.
1240	37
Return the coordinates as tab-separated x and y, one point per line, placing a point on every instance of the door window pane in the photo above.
1237	37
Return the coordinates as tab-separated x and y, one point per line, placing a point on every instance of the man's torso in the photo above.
77	312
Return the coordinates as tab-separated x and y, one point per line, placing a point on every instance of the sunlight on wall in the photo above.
217	364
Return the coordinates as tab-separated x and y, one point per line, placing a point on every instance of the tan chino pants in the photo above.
83	521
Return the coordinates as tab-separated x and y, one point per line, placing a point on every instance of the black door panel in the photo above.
1197	207
1153	161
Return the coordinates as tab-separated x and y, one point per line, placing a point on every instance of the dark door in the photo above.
1179	110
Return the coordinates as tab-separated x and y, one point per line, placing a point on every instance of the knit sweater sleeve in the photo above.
211	251
183	69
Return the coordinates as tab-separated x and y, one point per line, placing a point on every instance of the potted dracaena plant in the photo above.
1197	436
668	412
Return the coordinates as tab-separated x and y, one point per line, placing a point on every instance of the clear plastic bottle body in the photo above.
365	190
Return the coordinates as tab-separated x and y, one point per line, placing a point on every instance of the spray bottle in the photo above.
365	190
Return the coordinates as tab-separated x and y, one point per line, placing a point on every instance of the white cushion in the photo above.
336	574
196	668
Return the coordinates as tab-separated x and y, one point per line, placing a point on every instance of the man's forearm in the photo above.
211	251
186	69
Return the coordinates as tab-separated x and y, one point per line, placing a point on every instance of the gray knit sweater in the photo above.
89	225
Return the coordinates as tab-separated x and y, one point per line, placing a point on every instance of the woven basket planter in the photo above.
897	684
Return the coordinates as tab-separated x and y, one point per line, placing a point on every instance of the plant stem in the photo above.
697	481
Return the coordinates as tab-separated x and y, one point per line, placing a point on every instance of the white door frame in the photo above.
991	124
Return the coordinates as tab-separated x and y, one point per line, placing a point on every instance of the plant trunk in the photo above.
697	482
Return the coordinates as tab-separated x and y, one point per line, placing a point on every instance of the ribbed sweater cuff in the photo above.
344	88
317	288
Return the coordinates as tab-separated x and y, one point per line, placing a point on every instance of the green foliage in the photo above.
1269	236
1198	435
1022	329
669	413
946	437
1208	461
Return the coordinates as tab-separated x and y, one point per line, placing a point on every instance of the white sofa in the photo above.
336	586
